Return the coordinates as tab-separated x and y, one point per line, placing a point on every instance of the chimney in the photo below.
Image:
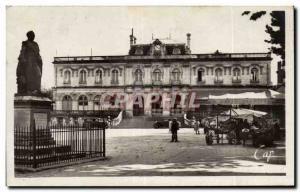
188	40
131	37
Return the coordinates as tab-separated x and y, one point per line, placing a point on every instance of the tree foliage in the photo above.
276	30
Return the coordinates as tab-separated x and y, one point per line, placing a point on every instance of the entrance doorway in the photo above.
157	108
138	106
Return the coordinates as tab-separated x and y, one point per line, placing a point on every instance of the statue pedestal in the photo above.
32	114
30	109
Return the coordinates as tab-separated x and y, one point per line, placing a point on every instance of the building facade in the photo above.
154	78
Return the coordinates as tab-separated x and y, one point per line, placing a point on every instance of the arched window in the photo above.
219	74
82	77
82	102
98	76
67	77
138	75
115	76
200	75
114	101
67	103
236	74
97	103
176	75
254	74
157	75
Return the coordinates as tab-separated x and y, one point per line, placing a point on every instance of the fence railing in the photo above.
38	147
176	111
95	113
158	111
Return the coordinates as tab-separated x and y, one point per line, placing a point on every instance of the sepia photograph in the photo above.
150	96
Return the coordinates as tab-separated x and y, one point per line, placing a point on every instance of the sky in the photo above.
75	31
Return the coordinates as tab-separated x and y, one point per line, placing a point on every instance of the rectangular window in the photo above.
261	69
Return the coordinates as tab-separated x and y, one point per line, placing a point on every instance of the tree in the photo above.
47	93
276	31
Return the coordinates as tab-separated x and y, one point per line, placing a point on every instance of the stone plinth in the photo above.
32	108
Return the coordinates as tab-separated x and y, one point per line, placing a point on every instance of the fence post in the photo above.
103	141
33	127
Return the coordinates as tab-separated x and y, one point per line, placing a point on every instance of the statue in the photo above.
29	70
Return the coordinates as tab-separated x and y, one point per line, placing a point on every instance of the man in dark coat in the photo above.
174	129
29	70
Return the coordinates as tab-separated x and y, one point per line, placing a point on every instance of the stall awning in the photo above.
268	94
240	97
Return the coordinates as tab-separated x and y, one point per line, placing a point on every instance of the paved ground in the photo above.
149	152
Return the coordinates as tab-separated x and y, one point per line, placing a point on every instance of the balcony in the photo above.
201	82
218	81
156	82
82	82
254	81
175	82
67	82
137	83
236	80
98	82
114	82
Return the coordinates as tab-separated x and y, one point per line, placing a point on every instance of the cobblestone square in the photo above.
149	152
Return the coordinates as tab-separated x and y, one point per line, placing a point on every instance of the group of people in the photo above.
174	127
196	125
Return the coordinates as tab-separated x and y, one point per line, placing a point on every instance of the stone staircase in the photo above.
140	122
143	122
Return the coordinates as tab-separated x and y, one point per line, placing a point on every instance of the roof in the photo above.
190	57
162	40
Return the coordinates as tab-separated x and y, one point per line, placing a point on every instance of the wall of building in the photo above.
188	73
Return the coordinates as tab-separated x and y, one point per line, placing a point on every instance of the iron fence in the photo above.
37	147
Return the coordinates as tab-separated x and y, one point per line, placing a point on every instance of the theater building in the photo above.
162	67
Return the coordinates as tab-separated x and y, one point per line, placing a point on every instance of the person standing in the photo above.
245	131
174	129
197	127
194	124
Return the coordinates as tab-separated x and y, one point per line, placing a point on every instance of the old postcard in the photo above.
150	96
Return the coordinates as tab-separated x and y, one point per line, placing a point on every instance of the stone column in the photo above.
90	105
166	102
147	104
74	105
58	105
129	105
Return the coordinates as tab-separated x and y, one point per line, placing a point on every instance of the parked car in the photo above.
161	124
